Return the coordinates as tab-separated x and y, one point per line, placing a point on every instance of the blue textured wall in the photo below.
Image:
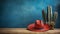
20	13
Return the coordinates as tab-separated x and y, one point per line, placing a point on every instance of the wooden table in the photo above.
24	31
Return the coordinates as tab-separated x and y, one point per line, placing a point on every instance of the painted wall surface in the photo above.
20	13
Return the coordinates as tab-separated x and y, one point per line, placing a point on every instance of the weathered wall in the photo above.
20	13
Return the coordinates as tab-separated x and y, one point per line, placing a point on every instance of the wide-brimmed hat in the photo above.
38	26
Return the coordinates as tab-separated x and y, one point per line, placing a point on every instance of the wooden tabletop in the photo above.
24	31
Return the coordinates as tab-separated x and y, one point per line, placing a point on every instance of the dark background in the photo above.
20	13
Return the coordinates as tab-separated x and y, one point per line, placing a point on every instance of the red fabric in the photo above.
38	26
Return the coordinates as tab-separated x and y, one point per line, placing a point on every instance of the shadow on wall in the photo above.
58	19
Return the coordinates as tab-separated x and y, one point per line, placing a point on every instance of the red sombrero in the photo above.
38	26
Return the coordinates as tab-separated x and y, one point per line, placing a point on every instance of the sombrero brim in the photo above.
31	27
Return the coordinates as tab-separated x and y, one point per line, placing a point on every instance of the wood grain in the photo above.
24	31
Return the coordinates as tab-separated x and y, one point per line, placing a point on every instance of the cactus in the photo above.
49	17
44	16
